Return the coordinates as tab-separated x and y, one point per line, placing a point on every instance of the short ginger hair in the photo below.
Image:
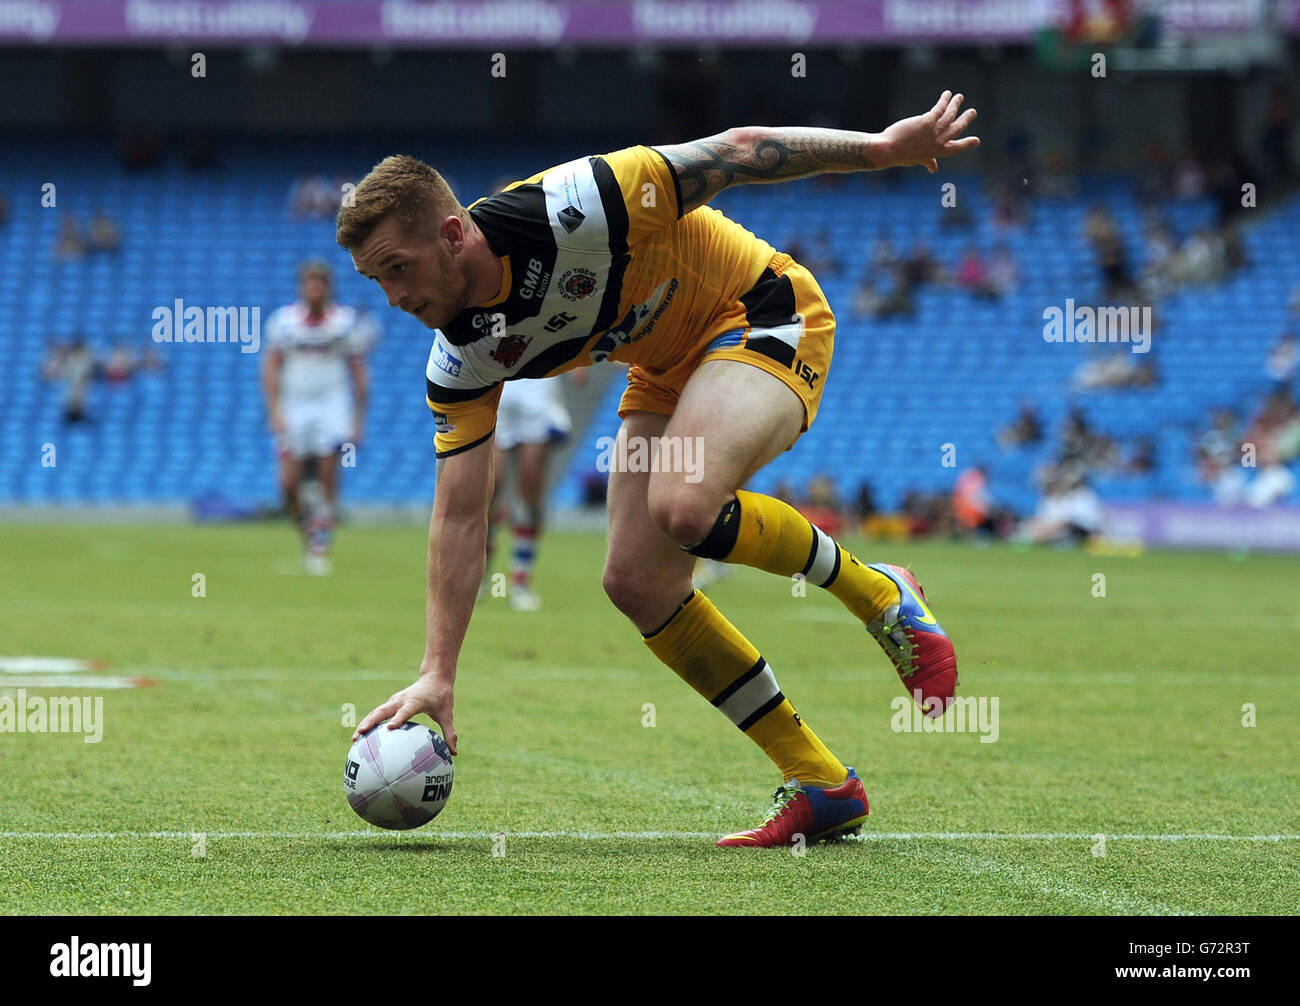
401	186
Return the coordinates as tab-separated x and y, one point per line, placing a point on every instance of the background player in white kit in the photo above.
314	345
531	419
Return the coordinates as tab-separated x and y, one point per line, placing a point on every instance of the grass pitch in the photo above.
218	789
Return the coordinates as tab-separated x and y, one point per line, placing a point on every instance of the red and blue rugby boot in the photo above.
814	812
912	638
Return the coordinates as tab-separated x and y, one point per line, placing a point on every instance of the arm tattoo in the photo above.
706	167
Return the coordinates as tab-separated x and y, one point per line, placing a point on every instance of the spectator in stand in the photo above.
1113	370
1103	235
120	364
1023	431
1070	513
1084	448
74	366
1190	179
70	245
822	506
920	267
972	505
1282	360
820	256
883	293
1234	248
1201	260
1010	206
864	505
1003	271
928	514
972	273
314	197
1275	435
1227	174
52	365
1161	248
883	254
1218	458
104	234
1142	461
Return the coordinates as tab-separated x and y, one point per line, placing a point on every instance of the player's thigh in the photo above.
731	420
500	472
646	573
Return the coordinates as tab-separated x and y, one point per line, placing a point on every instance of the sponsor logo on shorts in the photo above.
440	423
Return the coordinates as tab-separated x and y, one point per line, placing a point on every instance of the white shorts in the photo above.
532	412
316	427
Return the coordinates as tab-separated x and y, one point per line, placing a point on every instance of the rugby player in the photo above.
619	257
314	346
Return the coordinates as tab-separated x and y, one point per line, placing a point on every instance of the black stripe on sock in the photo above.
762	711
721	539
740	682
835	570
812	553
647	635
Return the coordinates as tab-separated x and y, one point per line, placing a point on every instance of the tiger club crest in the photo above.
509	349
577	284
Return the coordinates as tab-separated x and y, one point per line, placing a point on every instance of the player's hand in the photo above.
429	694
357	433
923	139
277	422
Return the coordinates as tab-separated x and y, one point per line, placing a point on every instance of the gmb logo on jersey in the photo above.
444	361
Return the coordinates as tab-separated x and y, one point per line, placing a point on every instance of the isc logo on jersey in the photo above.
444	361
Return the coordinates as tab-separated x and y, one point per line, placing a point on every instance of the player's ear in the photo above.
452	230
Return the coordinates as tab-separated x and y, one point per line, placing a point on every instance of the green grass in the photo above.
1119	715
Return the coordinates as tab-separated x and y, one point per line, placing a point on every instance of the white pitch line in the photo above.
875	836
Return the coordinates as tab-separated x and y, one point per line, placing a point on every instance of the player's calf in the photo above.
763	532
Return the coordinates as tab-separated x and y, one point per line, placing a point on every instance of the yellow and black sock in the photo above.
710	654
763	532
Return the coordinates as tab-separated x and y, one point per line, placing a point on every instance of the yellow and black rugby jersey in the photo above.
599	264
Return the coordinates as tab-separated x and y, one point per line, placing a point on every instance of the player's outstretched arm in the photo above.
750	154
457	555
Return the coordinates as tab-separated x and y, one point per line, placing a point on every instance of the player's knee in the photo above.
629	589
685	516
